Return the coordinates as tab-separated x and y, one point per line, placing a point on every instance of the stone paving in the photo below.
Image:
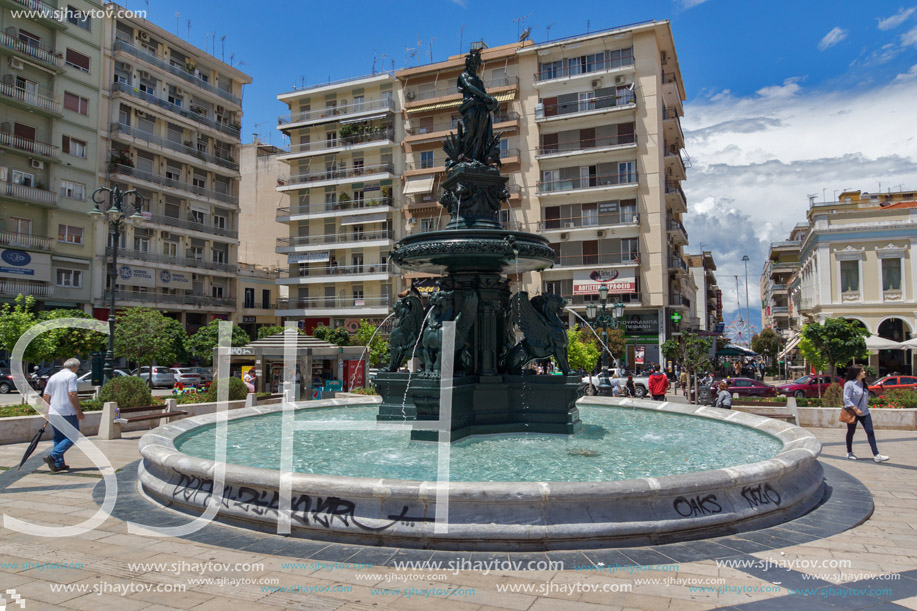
107	568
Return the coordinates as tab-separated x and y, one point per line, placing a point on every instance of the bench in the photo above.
110	426
163	412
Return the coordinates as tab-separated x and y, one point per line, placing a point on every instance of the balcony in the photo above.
357	237
149	257
189	300
331	177
30	99
33	147
14	287
121	45
786	244
588	222
178	147
333	305
622	258
28	194
675	197
438	131
577	108
24	240
566	72
507	156
581	301
335	272
784	266
677	300
175	184
677	264
44	12
45	55
676	163
379	137
365	206
171	221
780	311
677	231
672	126
335	113
586	183
589	145
199	118
416	95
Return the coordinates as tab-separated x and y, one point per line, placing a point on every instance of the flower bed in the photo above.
765	401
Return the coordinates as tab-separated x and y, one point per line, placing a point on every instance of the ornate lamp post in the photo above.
605	319
117	219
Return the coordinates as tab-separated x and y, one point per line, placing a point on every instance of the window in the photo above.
29	38
72	190
551	70
265	299
198	181
620	57
196	252
147	88
590	215
219	221
72	278
76	103
77	60
249	298
74	147
20	226
850	276
25	133
426	160
358	295
216	291
358	103
219	256
141	243
80	19
586	101
891	274
428	224
70	234
23	178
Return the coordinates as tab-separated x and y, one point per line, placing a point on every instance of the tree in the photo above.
617	344
767	344
16	320
338	335
378	350
671	349
582	353
813	356
201	344
146	336
268	331
692	351
66	343
840	341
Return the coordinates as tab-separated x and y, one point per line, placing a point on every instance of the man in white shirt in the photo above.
61	395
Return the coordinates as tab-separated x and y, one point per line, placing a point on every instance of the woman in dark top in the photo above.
629	386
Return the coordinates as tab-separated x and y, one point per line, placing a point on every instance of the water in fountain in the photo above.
368	344
411	364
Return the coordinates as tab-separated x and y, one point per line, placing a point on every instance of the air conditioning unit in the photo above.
144	36
410	95
178	91
596	83
144	75
600	233
569	224
16	63
565	236
619	80
539	111
38	165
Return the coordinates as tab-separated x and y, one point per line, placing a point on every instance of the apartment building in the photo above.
52	71
258	201
708	302
856	262
782	263
257	296
171	119
344	190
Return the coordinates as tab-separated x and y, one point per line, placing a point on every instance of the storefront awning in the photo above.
415	186
362	219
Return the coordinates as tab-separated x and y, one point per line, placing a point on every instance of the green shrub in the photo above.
127	391
237	390
190	397
809	402
834	396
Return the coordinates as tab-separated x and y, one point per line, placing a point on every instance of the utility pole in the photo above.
747	315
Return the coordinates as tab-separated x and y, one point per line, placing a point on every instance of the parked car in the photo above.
745	387
877	388
809	386
186	375
162	376
84	382
603	385
206	374
39	378
6	381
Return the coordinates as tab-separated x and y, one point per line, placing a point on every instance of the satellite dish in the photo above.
525	34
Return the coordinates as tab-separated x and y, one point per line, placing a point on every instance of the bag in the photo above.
848	416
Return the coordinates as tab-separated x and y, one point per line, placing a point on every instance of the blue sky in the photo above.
785	98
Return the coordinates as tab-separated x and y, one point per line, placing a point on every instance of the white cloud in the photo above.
686	4
890	23
461	3
789	88
832	38
909	38
910	75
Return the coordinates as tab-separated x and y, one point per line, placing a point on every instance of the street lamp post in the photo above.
747	309
602	318
117	219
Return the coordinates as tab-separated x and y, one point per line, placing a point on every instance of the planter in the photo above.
888	419
752	402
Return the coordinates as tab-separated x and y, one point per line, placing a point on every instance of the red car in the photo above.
809	386
892	383
745	387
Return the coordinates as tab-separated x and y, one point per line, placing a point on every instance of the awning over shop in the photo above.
414	186
362	219
874	342
735	351
362	119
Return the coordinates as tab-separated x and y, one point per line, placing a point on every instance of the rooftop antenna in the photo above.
147	6
430	49
374	63
520	23
461	37
188	37
177	23
223	48
588	25
526	33
231	58
548	31
812	197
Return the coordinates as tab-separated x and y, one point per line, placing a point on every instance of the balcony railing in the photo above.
29	146
42	54
787	244
778	287
677	263
175	184
546	111
415	95
440	164
42	10
32	98
351	172
150	257
614	258
382	104
335	238
179	299
336	270
583	300
588	143
675	188
31	194
577	70
12	287
24	240
173	145
419	130
146	97
380	135
325	303
679	301
676	226
365	205
591	221
590	182
162	64
669	112
171	221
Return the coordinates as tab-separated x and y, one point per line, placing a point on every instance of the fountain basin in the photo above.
510	516
473	250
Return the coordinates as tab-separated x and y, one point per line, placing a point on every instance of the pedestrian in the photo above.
856	397
630	387
249	378
724	397
61	396
658	383
615	385
683	380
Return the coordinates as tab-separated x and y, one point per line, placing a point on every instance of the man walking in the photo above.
658	384
61	395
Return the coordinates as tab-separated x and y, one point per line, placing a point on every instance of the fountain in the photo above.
474	254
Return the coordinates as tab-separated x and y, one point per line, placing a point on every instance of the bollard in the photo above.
108	428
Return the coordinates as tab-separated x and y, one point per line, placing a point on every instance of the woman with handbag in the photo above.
856	409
